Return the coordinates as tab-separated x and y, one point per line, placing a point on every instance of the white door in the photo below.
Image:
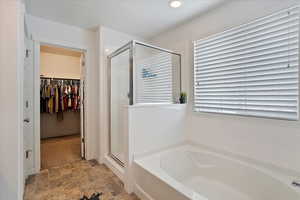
28	87
82	111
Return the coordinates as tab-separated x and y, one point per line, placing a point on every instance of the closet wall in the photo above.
59	63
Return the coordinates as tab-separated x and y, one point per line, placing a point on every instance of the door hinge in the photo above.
82	140
27	53
27	152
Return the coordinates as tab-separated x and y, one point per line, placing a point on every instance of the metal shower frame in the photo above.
131	46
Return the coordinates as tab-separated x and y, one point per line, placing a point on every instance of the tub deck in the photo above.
188	172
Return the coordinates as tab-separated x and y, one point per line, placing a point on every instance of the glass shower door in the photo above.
119	100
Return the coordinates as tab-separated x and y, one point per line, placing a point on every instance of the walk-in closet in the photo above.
61	96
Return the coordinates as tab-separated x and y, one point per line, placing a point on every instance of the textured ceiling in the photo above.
138	17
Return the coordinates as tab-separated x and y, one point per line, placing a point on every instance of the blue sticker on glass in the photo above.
148	74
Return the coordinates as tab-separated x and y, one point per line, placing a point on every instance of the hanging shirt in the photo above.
50	105
61	96
56	99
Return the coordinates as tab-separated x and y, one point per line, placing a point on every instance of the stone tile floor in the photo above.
60	151
73	180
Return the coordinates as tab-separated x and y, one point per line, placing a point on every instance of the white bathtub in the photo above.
187	172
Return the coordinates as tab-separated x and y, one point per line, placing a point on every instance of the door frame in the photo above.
37	129
28	137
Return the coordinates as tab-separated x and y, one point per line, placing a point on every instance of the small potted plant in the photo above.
183	98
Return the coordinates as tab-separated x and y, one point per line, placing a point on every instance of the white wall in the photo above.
11	115
49	32
58	65
155	127
271	141
150	128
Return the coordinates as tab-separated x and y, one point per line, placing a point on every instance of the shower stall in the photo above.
139	74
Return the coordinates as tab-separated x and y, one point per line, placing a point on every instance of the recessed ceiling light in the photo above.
175	3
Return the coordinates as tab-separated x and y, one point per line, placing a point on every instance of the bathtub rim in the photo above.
192	147
228	154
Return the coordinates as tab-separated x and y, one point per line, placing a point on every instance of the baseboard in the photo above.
114	167
30	172
141	193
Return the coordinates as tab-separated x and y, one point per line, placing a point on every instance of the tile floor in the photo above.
73	180
60	151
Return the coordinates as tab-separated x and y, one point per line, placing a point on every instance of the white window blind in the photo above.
250	70
154	76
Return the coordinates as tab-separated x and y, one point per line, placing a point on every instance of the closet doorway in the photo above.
62	137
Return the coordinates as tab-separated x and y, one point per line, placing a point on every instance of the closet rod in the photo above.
66	79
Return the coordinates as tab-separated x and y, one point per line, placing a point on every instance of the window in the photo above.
250	70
